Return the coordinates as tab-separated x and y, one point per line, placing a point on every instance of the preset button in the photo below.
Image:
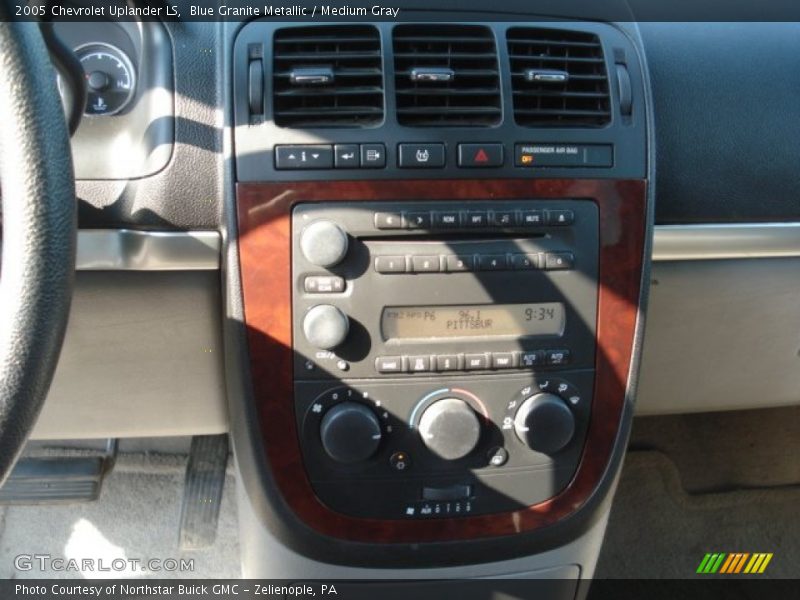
492	262
460	262
390	264
524	262
425	264
558	261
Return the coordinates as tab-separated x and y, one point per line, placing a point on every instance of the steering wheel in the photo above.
39	231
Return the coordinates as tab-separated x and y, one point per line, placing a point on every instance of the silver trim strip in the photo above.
725	241
127	250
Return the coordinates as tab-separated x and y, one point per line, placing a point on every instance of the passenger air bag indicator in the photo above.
563	155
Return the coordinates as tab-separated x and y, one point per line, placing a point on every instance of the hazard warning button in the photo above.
480	155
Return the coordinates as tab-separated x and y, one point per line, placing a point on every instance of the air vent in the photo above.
327	76
446	75
559	78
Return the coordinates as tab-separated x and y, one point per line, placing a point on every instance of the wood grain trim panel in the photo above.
264	248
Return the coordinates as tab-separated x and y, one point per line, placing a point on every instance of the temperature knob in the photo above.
325	326
350	432
324	243
545	423
450	428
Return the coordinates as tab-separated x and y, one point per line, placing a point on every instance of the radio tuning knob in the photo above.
449	428
350	432
325	326
324	243
544	423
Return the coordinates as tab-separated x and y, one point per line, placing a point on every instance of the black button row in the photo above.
457	263
433	156
479	361
474	219
327	156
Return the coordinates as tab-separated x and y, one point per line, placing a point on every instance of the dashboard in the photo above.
421	256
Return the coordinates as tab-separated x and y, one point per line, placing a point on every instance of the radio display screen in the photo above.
473	321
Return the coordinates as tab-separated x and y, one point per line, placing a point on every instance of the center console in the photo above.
440	383
441	288
444	352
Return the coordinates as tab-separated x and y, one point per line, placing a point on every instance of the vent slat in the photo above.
292	57
323	91
553	42
471	97
559	94
449	91
461	73
556	59
445	110
572	77
342	72
433	39
325	39
583	100
354	110
565	113
354	97
445	54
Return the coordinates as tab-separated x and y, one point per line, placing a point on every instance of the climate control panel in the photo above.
399	450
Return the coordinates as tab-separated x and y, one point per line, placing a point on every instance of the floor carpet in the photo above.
658	530
136	518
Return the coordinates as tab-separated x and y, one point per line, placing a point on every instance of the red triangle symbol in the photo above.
481	156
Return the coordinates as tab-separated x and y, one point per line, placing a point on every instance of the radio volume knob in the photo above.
350	432
325	326
450	428
545	423
324	243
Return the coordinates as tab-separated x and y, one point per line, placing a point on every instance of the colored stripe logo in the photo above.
734	563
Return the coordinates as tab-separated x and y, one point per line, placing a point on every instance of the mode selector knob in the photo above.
325	326
324	243
545	423
350	432
450	428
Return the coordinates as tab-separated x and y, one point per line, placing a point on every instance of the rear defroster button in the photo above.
498	456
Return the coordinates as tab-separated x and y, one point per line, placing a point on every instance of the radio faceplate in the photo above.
444	352
383	257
